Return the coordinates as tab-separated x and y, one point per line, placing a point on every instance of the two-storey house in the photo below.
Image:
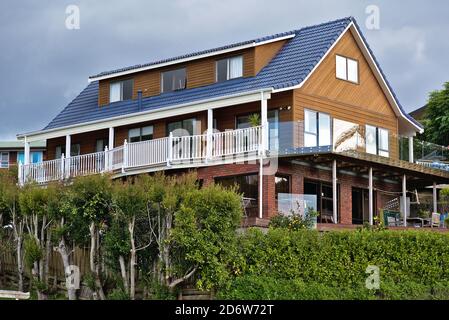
303	118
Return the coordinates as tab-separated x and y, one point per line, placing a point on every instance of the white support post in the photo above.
370	197
260	188
334	191
264	123
125	156
404	198
111	138
68	145
210	129
170	149
410	150
435	204
68	152
106	159
26	152
62	166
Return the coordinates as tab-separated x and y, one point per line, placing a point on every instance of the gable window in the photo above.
173	80
141	134
317	129
75	150
4	159
229	68
121	90
377	141
35	157
347	69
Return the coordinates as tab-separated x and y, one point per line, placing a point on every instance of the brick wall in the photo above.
298	173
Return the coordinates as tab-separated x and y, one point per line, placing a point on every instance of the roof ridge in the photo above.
223	47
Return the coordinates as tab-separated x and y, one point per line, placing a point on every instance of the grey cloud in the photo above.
43	65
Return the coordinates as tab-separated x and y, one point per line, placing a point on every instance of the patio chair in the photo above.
392	218
436	219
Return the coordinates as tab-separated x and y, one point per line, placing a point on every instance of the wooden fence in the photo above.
56	268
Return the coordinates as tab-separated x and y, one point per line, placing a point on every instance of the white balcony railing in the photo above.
168	151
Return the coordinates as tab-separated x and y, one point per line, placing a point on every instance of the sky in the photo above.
44	65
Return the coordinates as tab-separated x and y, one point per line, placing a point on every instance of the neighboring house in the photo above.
12	152
327	136
419	114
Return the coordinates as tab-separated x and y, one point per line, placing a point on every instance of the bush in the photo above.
306	264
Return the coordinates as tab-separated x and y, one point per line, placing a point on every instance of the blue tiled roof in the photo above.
288	68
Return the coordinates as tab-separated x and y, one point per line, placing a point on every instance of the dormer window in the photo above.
173	80
121	90
347	69
229	68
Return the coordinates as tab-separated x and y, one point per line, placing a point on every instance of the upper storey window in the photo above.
173	80
347	69
229	68
377	141
121	90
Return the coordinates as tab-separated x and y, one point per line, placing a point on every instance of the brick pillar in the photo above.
269	201
345	203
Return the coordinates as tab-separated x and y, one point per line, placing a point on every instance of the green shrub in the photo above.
306	264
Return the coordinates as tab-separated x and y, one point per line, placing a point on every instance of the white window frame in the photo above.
378	132
121	89
141	133
2	153
228	67
317	135
162	80
348	76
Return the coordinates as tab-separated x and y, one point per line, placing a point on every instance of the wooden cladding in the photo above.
201	72
264	54
367	95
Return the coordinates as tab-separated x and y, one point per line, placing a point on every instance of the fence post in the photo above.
106	159
62	167
125	156
170	149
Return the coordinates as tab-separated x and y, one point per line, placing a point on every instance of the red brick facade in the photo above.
298	173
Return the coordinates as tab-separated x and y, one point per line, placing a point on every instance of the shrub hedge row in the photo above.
305	264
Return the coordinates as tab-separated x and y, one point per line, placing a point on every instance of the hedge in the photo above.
306	264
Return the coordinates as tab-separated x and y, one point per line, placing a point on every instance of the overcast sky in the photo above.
43	65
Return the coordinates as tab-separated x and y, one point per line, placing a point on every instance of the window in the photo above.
74	151
324	194
246	184
377	141
229	68
383	142
186	127
140	134
101	144
282	184
317	129
121	90
4	159
35	157
347	69
173	80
